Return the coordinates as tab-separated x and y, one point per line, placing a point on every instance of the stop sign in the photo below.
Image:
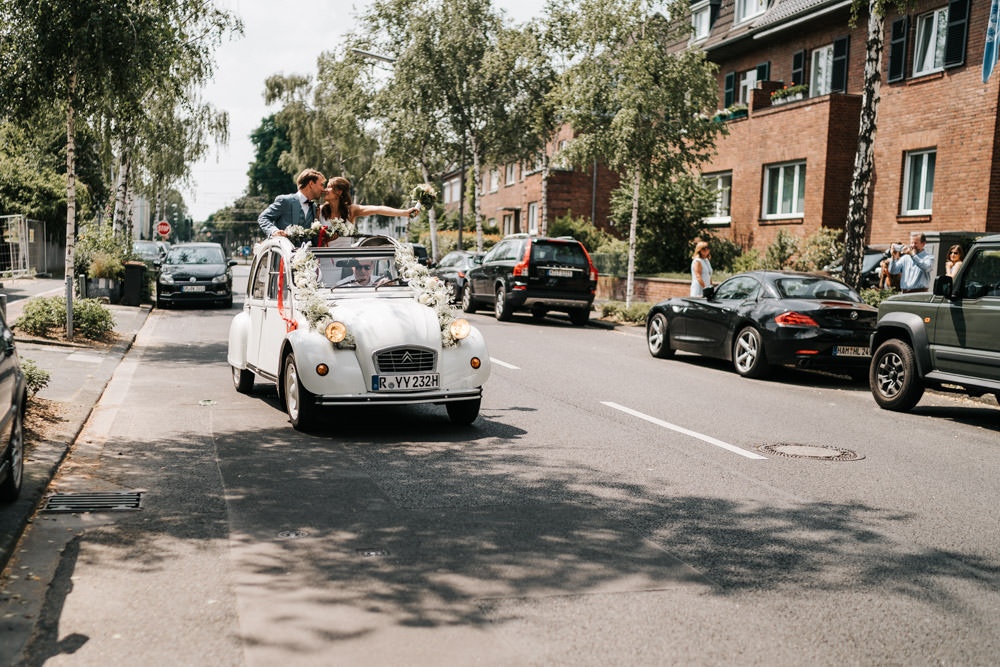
163	228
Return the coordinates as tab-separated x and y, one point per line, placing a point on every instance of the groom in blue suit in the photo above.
296	208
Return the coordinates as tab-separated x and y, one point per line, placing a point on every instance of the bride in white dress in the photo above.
338	205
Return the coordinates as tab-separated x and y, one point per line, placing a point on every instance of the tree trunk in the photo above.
70	205
631	238
543	224
477	179
856	226
129	208
124	166
431	216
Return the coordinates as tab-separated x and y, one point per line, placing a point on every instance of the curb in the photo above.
46	458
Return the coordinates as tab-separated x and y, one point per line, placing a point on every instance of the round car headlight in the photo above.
460	328
219	279
167	278
335	332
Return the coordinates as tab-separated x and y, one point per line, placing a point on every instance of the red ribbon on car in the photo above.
319	243
290	325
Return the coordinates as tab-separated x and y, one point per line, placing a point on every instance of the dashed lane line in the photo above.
680	429
504	364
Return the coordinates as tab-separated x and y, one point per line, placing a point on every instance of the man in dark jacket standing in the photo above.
296	208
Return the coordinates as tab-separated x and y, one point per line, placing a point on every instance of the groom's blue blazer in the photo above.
284	212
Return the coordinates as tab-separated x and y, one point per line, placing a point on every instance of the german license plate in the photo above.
408	382
193	288
851	351
560	273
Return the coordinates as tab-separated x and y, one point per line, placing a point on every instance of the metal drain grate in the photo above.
94	502
793	450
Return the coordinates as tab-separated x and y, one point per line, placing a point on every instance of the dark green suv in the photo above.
948	339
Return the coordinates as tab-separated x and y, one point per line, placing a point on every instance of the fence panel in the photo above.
14	261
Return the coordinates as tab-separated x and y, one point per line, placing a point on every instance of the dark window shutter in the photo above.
897	49
838	75
730	90
713	9
798	68
958	33
764	71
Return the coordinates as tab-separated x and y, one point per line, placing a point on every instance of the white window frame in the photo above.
748	81
722	184
821	71
776	176
701	14
916	173
509	175
748	9
533	217
508	224
494	179
932	30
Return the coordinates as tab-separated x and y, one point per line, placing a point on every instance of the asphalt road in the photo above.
606	508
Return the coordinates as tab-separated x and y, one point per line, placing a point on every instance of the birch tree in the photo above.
635	104
92	56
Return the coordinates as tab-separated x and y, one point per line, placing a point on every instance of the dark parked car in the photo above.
869	266
420	252
453	268
195	273
760	318
947	339
13	400
533	273
148	251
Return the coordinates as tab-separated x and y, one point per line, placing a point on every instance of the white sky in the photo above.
276	39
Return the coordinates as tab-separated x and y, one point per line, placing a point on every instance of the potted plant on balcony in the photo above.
730	112
789	93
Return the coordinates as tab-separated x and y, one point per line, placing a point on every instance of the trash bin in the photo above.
135	276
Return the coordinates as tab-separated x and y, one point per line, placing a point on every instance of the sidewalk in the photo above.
79	375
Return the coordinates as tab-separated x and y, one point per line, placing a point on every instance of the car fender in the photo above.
909	327
239	333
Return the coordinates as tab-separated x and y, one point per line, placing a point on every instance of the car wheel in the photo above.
468	305
893	380
11	487
658	337
579	316
463	413
242	380
748	354
299	401
501	308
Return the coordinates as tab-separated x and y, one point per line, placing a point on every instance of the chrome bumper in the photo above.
402	398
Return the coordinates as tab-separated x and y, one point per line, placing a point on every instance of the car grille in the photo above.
405	360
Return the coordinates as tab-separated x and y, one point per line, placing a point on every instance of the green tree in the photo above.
101	58
635	103
267	179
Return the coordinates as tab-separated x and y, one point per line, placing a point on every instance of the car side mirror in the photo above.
478	261
709	292
942	286
157	263
232	262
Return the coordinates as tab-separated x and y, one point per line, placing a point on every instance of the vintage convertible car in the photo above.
351	326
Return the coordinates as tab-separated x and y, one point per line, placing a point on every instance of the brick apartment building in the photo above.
789	167
511	194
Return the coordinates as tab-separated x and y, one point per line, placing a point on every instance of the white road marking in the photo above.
504	364
680	429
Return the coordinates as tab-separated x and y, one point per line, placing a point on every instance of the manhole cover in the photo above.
794	450
292	534
93	502
372	553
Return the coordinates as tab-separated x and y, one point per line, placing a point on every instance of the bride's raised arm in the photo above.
361	211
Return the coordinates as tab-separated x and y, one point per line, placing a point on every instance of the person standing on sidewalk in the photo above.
296	208
701	269
914	264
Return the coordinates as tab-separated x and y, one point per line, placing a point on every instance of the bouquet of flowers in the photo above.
317	232
424	194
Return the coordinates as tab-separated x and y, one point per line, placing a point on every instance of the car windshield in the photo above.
814	287
358	269
195	256
146	249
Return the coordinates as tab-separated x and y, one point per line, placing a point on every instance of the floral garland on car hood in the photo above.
428	290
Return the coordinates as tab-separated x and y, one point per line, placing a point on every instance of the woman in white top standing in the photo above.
701	269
